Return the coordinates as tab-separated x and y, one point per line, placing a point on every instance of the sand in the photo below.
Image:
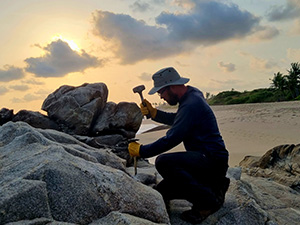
248	129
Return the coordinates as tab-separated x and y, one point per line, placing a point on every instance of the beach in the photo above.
247	129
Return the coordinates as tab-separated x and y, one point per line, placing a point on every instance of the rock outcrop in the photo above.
49	174
84	113
51	177
281	164
73	167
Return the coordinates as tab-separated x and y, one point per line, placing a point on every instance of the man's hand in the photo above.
134	149
148	109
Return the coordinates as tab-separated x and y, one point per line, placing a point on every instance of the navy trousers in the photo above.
191	176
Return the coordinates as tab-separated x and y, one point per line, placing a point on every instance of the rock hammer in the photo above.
139	89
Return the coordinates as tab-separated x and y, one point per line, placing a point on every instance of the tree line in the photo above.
284	87
288	84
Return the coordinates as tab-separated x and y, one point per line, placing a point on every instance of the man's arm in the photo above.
156	115
174	136
165	117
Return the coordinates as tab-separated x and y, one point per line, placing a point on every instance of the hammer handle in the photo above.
135	165
148	116
144	104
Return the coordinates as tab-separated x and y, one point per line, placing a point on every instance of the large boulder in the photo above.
281	163
51	175
124	118
76	107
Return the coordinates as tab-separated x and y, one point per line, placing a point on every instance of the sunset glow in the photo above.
71	43
219	45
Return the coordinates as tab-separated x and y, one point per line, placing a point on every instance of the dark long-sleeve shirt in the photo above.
194	124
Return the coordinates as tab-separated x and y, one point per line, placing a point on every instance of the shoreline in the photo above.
248	129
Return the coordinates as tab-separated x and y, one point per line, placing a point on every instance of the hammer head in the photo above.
138	89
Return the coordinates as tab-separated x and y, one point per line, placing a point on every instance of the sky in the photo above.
219	44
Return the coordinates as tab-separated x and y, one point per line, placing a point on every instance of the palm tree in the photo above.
279	82
293	79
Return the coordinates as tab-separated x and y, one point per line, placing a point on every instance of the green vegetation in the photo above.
283	88
236	97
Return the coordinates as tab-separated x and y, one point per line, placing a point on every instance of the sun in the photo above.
71	43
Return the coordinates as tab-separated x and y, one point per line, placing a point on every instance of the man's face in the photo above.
168	95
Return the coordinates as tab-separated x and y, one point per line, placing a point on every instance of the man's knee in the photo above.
164	163
160	162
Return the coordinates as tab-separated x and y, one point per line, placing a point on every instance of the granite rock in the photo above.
76	107
64	181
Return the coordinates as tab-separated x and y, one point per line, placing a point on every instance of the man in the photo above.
197	175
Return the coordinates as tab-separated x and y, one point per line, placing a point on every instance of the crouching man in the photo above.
198	174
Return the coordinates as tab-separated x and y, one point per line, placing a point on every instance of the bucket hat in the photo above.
166	77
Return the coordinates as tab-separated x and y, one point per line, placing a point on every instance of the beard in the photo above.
173	98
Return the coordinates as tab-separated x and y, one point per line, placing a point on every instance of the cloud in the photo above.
60	60
3	90
133	39
145	76
216	85
139	6
39	95
290	11
295	28
188	4
11	73
293	54
260	64
265	33
206	23
19	87
181	64
229	67
33	81
209	22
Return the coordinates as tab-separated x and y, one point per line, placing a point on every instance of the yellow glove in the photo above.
134	149
147	108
